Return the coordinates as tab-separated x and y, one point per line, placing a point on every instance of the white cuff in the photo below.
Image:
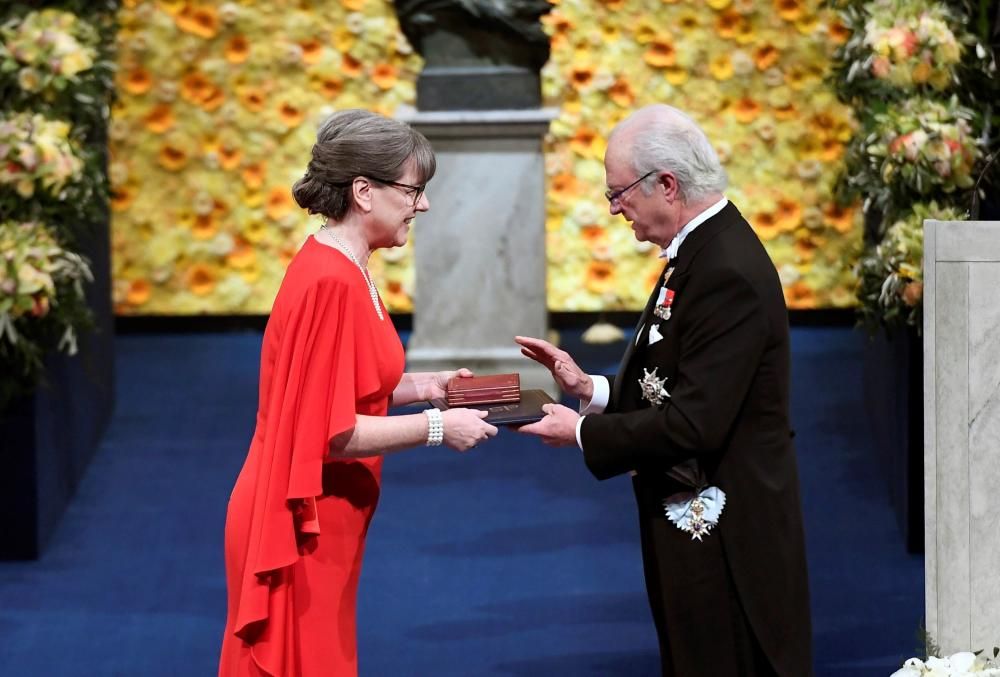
579	426
599	400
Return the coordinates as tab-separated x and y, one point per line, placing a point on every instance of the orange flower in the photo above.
838	32
559	27
213	98
312	50
585	142
621	93
789	10
745	110
727	22
564	186
789	215
237	49
252	98
160	118
331	87
765	56
205	226
581	76
600	277
660	52
172	157
290	115
841	218
201	279
242	256
805	249
593	235
200	20
137	81
395	296
121	198
350	66
384	75
253	174
138	292
766	225
831	150
229	158
279	203
195	87
799	295
785	112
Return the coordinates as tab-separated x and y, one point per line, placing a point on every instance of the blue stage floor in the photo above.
510	560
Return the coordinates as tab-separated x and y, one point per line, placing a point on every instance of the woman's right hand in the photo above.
465	428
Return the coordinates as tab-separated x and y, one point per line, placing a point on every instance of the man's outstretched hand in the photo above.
567	374
557	429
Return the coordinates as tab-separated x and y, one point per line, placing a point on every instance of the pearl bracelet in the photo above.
435	427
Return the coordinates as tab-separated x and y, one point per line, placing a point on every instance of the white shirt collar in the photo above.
670	251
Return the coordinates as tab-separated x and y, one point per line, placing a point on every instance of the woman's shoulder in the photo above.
317	269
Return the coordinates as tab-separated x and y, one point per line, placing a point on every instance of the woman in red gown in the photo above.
331	363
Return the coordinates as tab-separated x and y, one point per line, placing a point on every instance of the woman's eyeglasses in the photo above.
413	191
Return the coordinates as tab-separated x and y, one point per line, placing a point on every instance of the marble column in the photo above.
962	432
480	250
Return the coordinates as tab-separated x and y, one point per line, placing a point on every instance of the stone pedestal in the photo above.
962	432
480	250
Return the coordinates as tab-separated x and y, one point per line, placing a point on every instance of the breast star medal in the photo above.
652	387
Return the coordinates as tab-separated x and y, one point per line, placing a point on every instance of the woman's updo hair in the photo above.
353	143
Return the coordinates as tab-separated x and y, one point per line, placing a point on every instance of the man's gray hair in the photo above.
665	139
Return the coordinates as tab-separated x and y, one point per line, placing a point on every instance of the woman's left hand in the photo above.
439	381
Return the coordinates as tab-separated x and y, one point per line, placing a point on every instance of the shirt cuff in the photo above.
579	425
599	400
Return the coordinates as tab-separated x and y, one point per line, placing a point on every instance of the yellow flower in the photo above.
721	66
675	75
718	4
789	10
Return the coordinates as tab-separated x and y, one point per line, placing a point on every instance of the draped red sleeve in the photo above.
311	381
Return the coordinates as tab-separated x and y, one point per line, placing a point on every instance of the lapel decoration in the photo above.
652	387
666	297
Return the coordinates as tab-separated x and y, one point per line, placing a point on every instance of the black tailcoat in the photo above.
725	353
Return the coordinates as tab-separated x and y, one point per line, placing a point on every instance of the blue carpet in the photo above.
509	560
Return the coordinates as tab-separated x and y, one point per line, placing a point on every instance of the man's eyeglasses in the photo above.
614	196
413	191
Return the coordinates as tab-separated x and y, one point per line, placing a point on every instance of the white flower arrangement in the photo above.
962	664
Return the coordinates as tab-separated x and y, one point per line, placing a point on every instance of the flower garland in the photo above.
54	87
923	85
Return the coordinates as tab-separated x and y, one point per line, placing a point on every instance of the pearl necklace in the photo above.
364	271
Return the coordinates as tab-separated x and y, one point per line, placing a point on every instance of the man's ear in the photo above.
363	193
669	183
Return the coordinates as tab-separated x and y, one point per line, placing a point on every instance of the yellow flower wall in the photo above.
219	102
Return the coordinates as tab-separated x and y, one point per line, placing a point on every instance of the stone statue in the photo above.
478	53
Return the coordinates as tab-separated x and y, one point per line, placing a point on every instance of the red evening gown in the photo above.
296	525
